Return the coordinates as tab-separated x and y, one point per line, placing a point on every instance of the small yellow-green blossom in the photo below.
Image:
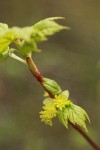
48	114
61	101
66	111
52	106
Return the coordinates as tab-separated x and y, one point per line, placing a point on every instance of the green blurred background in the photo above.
72	58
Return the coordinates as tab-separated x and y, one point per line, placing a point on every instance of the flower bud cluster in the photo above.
52	106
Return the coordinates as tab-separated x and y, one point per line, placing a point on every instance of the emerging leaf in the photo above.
6	37
5	41
65	93
48	101
51	86
28	44
3	27
46	27
26	38
24	33
27	47
62	117
74	114
5	54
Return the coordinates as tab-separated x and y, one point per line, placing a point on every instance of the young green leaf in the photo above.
5	42
48	101
27	43
5	54
3	27
27	47
74	114
63	117
24	33
28	36
6	37
65	93
51	86
46	27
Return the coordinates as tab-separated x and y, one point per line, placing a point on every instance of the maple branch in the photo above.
36	73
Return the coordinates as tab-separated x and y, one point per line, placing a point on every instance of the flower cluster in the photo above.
52	106
61	101
48	114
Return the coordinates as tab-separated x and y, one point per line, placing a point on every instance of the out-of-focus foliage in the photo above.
46	28
26	38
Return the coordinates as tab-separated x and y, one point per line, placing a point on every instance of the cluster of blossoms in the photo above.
48	114
52	106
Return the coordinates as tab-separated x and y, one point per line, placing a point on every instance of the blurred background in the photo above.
72	58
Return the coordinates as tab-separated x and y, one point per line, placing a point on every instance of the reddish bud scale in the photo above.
36	73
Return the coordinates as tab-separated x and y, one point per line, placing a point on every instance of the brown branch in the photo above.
34	70
87	138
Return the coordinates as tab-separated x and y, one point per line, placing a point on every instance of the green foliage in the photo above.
26	38
3	27
65	93
4	54
65	110
6	37
46	28
22	33
25	42
74	114
48	101
52	86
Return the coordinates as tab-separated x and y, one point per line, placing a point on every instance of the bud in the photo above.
51	86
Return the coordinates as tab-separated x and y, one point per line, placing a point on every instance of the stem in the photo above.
34	70
87	138
17	58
